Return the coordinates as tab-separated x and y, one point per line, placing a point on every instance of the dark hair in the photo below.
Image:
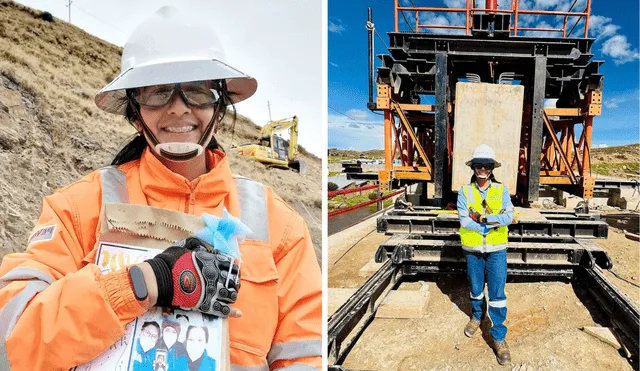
206	332
133	150
182	315
151	323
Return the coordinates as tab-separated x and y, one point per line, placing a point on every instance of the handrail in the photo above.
470	9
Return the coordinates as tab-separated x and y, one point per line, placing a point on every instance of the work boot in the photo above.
502	352
471	327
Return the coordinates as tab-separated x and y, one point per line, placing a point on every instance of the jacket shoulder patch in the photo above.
42	234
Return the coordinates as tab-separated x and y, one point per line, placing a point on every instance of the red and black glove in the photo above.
191	277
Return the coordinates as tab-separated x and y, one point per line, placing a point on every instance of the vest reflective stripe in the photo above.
249	368
496	236
114	185
294	349
12	311
297	367
25	274
253	208
10	314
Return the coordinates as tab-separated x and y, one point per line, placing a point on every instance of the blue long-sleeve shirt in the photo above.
502	219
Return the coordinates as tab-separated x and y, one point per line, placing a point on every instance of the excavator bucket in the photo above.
299	166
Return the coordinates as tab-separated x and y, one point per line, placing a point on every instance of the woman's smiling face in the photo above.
176	121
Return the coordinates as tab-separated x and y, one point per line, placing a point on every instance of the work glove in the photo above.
191	277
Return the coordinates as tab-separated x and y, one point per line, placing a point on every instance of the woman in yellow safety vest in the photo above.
485	211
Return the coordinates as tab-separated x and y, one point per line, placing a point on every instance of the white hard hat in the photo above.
170	48
483	154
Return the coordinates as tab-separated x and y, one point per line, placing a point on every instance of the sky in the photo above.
614	24
277	42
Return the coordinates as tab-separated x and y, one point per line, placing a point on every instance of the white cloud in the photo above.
337	26
616	99
601	145
619	49
344	133
358	114
601	27
455	3
334	64
545	4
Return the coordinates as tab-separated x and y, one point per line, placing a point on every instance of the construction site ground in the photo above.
545	318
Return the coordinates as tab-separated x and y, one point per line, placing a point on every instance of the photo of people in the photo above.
145	347
181	341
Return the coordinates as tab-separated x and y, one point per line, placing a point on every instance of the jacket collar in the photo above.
157	181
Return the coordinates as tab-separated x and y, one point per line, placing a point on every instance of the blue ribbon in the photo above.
223	233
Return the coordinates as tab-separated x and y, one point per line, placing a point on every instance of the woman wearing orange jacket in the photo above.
56	308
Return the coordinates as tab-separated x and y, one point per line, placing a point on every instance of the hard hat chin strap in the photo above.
177	151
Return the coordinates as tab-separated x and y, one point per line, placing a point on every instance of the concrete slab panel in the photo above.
491	114
405	304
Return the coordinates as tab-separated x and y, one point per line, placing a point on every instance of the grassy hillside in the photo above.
51	132
619	162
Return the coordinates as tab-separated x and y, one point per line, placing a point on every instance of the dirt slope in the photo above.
51	133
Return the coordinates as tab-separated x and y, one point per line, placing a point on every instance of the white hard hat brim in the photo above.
112	98
495	163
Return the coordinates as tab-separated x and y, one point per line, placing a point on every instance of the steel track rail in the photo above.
348	323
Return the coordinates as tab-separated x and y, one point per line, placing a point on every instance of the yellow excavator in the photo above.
273	150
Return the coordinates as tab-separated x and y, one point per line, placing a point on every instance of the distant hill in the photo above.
619	162
51	132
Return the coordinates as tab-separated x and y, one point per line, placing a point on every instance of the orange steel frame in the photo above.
491	7
564	157
403	141
564	160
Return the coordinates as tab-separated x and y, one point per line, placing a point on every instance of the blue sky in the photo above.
614	24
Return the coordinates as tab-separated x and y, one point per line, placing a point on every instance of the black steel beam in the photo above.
521	256
441	124
623	313
433	226
535	134
362	176
602	184
352	313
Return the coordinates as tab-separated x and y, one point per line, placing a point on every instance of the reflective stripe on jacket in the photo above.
58	311
497	238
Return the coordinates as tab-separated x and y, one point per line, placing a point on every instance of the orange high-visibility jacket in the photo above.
59	311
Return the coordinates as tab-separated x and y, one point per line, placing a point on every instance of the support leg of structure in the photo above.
535	137
441	124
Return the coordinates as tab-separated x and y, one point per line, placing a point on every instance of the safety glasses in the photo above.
481	166
201	94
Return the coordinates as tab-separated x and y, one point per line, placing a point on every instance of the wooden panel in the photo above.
414	175
490	114
562	111
410	168
417	107
555	180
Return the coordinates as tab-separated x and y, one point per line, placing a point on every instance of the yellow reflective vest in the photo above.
497	238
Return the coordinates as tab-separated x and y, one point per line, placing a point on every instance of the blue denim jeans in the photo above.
492	268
